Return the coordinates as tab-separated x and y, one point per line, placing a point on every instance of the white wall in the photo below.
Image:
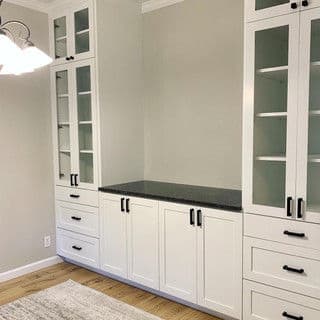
193	61
26	188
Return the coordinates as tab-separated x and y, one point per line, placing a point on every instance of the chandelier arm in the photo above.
18	23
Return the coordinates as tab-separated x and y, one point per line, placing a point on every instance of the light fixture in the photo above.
18	54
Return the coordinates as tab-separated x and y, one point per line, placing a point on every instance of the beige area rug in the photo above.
71	301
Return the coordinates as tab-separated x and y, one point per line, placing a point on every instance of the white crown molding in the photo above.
152	5
15	273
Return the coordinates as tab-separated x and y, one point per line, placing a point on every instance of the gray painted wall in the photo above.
193	61
26	189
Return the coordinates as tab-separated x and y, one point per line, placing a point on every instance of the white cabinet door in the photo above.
262	9
308	162
220	262
113	235
270	116
143	242
178	252
72	32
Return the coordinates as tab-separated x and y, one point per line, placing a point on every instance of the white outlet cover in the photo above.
47	241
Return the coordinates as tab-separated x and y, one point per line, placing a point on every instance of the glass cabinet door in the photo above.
261	9
272	105
60	37
64	127
308	173
85	126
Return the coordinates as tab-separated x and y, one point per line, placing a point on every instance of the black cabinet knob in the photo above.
67	58
305	3
294	5
71	57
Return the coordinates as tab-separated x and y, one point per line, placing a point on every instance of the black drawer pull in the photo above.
76	248
289	316
127	205
300	205
71	180
76	218
294	234
287	268
289	206
76	180
199	218
122	204
74	196
192	217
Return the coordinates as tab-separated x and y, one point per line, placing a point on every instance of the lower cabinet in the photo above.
129	238
201	257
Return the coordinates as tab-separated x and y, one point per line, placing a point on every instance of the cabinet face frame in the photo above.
68	11
74	123
253	15
292	21
303	120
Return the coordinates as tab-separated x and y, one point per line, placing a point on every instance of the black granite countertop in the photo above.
224	199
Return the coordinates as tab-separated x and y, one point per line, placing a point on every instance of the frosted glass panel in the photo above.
270	124
84	107
264	4
82	36
60	37
313	177
86	167
83	79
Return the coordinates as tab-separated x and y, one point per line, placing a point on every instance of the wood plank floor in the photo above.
51	276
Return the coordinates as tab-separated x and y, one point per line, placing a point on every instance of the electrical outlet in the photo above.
47	241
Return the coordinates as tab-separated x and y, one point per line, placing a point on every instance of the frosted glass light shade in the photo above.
9	51
35	58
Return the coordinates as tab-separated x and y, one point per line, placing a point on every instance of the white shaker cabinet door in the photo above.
220	261
113	235
143	241
178	252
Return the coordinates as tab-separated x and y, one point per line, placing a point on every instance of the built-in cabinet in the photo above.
72	31
189	253
281	160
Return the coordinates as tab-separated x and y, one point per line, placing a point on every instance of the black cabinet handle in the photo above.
294	5
76	180
192	217
76	218
71	57
67	58
305	3
71	180
76	196
127	205
76	248
122	204
287	268
289	316
300	205
294	234
289	206
199	218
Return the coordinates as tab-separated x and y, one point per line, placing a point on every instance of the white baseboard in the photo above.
32	267
151	5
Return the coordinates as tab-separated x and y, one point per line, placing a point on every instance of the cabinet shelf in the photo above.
82	32
64	124
64	151
61	38
272	115
274	73
65	95
85	122
314	113
315	158
84	93
274	158
86	151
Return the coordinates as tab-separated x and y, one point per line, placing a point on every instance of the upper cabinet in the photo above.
71	32
281	162
262	9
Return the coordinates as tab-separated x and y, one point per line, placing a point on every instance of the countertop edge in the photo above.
176	200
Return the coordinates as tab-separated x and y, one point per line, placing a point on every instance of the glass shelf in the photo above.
271	115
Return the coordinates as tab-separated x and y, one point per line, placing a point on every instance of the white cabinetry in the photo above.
72	32
129	238
201	256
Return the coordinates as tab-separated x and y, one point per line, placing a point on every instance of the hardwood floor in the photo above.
34	282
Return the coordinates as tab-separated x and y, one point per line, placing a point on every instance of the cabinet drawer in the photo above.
78	218
267	303
283	266
79	196
296	233
77	247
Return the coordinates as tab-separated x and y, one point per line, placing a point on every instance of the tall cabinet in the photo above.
96	112
281	162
